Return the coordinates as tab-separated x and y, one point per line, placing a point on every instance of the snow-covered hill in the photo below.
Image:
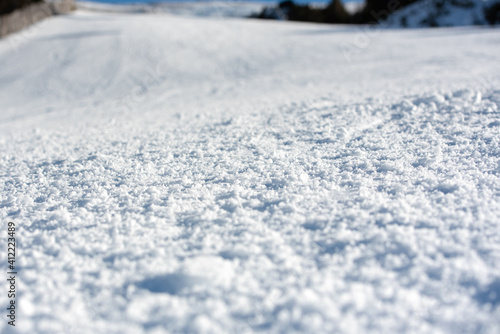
442	13
185	175
219	9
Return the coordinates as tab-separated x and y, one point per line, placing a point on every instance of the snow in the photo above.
353	7
217	9
176	174
445	13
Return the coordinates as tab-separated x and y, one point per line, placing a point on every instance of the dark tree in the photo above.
492	13
336	13
8	6
376	11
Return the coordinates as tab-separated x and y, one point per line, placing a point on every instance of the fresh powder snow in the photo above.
172	174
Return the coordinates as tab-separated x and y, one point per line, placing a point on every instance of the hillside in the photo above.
445	13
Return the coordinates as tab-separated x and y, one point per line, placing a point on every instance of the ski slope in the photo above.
193	175
219	9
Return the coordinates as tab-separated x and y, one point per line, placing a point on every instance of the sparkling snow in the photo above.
173	174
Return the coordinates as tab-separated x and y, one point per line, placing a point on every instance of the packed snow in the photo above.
187	175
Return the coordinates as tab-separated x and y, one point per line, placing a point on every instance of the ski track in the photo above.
225	176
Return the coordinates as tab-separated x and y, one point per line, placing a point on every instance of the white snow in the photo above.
219	9
353	7
186	175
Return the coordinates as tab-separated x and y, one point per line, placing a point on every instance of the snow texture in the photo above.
186	175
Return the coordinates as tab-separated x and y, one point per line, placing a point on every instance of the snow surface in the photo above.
172	174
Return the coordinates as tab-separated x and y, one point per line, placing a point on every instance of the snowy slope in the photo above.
185	8
171	174
442	13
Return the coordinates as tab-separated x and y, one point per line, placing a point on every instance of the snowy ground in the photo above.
220	9
186	175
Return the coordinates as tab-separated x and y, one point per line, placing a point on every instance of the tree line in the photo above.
334	12
373	11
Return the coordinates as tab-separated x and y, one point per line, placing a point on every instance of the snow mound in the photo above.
441	13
